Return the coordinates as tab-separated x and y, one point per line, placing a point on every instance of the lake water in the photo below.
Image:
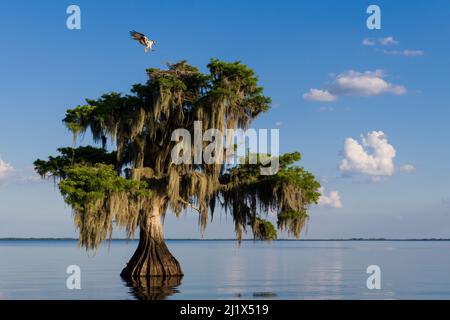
223	270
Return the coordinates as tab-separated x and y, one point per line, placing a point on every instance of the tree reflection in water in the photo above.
154	288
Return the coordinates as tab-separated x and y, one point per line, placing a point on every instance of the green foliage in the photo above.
229	80
250	174
56	167
78	118
85	184
99	198
264	230
292	221
102	116
289	192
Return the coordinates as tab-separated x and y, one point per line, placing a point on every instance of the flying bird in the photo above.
142	39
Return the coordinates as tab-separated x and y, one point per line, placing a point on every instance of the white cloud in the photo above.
319	95
368	42
389	41
333	199
9	174
404	53
279	123
354	83
325	109
367	83
5	169
407	168
373	156
386	41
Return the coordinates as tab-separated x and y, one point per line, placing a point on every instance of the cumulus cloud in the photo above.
367	83
319	95
407	168
332	200
354	83
373	156
404	53
386	41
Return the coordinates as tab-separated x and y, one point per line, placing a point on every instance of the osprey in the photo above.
142	39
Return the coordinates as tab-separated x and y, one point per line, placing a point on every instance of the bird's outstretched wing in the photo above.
137	35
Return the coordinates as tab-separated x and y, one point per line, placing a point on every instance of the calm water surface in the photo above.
223	270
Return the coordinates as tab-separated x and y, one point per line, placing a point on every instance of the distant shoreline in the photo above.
230	239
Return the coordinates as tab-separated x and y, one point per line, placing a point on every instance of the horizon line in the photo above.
225	239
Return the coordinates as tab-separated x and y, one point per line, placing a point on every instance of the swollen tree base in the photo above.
152	257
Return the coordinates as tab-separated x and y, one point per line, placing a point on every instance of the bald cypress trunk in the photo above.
152	257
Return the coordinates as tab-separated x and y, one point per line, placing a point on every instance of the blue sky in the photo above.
399	87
